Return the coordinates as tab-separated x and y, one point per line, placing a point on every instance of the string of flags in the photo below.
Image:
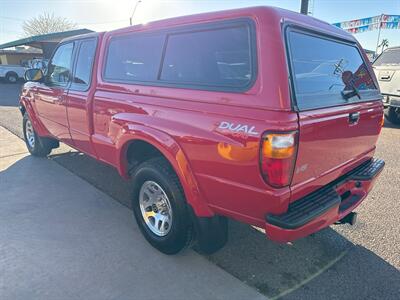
371	23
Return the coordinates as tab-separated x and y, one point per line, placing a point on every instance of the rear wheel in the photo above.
36	145
160	207
393	114
11	77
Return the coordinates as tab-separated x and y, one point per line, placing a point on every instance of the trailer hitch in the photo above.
351	219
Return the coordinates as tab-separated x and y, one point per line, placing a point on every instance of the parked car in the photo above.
11	73
259	114
387	69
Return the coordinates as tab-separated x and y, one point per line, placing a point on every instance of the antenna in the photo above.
134	10
311	8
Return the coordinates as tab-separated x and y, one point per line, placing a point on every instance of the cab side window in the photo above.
59	69
84	64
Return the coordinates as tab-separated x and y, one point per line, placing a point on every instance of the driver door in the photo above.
51	95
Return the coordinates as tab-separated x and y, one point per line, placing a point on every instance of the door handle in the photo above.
354	117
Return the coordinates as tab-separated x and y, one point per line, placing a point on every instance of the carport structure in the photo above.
45	42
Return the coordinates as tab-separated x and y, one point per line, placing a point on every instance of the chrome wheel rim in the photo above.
30	134
12	79
155	208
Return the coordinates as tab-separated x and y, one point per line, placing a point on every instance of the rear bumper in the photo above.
324	206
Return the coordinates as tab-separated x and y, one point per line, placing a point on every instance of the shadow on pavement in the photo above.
361	274
274	269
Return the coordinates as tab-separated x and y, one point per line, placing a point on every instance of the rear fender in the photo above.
171	151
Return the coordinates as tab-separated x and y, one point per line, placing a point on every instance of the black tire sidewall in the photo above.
31	150
177	237
392	115
41	148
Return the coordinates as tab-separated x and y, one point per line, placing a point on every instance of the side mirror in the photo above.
34	75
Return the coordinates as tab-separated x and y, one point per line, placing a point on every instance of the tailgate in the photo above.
389	80
339	109
329	140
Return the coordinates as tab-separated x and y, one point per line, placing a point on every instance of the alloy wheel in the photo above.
155	208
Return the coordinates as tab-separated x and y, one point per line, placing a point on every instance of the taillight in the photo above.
278	155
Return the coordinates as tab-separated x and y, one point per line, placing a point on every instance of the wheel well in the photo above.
11	73
139	151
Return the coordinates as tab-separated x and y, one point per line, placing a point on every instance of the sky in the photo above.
101	15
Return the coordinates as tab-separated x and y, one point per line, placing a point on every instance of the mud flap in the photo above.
211	233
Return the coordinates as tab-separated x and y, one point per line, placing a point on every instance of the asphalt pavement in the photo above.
340	262
61	238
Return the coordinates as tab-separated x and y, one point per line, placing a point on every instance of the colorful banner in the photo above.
390	18
371	23
390	25
358	23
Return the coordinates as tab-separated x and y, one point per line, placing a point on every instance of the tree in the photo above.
46	23
384	44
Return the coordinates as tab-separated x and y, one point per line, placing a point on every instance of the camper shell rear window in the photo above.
325	71
390	57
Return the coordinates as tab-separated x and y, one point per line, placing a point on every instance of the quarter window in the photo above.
59	69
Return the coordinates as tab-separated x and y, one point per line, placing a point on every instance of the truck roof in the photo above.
270	13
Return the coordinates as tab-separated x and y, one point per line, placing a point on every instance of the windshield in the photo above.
391	57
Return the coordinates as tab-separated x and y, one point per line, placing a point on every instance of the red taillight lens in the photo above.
278	155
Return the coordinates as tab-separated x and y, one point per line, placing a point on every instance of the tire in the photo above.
37	146
11	77
393	115
176	233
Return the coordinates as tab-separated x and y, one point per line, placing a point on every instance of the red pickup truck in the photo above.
259	114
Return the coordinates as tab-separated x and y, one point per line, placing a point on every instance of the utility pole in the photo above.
304	7
379	34
134	9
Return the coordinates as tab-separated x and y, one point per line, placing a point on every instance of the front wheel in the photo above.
36	145
393	115
160	207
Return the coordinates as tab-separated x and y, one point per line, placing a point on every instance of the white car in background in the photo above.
387	71
12	73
